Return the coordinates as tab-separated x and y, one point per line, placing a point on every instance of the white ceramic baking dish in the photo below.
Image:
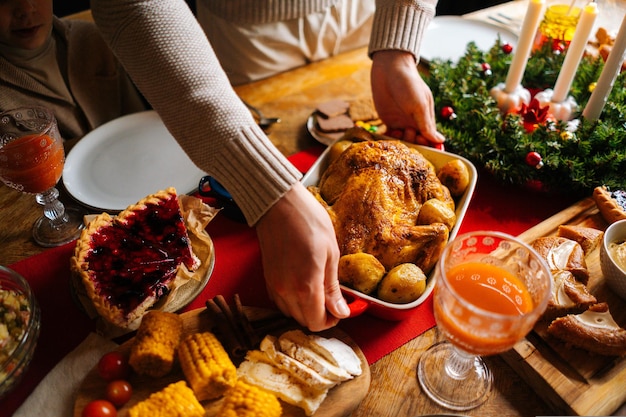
360	303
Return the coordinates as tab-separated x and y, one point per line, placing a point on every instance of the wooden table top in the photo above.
293	96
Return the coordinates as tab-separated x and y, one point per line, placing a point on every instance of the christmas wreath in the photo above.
528	146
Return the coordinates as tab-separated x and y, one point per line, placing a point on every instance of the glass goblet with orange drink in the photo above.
491	289
31	161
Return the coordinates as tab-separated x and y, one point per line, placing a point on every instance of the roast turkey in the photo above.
374	192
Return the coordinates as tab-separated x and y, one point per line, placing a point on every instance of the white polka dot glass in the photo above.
491	289
31	161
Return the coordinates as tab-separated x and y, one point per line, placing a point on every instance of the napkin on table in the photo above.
55	394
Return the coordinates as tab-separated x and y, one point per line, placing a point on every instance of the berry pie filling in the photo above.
138	257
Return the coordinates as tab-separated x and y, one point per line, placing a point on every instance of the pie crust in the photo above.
129	262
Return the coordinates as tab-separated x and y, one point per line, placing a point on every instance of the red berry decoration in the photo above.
507	48
447	112
533	159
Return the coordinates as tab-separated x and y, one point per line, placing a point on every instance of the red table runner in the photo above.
238	271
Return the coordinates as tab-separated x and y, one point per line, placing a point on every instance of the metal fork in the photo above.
504	20
262	121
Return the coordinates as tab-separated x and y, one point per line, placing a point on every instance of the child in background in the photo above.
63	65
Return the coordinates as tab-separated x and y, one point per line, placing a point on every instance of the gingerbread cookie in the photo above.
362	110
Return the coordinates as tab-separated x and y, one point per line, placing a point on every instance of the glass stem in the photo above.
53	209
459	363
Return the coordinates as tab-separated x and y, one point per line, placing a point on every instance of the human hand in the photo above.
300	260
402	98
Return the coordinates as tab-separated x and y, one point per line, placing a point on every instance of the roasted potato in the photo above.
403	284
436	211
361	271
454	175
337	149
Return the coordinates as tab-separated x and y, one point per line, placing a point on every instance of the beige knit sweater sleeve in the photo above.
166	53
400	24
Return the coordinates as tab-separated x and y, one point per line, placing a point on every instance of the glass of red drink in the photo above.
490	291
31	161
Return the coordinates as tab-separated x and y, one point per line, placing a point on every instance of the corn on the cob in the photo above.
154	349
175	400
206	365
245	400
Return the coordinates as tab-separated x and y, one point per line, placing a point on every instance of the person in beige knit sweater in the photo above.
168	56
63	65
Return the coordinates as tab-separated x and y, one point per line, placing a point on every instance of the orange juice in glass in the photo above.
31	161
491	289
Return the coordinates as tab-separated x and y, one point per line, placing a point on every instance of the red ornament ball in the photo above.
558	46
507	48
486	68
533	159
447	112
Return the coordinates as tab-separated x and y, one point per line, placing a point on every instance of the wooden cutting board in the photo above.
573	381
341	400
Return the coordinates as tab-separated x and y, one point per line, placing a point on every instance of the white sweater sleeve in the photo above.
166	53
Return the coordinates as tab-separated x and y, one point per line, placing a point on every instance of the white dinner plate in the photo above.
126	159
447	37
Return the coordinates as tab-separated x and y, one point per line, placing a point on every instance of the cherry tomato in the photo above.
113	365
99	408
119	392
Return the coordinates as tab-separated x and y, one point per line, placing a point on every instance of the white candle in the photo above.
610	71
524	45
575	52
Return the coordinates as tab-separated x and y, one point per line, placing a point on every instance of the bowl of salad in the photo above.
20	319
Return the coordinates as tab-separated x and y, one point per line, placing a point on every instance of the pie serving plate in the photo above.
361	303
447	37
124	160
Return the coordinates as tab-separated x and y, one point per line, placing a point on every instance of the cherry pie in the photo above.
129	262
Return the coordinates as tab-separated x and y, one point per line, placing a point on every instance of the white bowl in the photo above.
613	274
